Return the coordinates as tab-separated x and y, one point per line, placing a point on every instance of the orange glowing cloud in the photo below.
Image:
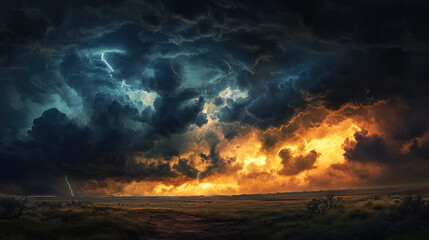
308	153
301	155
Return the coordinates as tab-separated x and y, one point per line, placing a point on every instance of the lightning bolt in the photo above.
124	84
172	68
104	60
71	190
229	71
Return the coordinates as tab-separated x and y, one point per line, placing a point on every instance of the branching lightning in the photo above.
104	60
71	190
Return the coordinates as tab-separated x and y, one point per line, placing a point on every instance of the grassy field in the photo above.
364	214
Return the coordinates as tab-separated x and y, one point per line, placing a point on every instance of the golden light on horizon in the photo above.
256	170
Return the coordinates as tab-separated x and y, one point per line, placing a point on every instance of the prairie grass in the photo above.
360	216
52	221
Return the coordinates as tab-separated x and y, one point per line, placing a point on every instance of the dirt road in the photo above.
172	225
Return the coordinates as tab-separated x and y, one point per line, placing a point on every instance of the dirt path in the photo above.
172	225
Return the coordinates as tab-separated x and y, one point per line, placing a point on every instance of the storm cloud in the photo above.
117	90
294	165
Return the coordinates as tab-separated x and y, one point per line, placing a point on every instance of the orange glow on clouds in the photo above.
315	161
257	169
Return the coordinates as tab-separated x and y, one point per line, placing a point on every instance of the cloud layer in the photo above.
118	92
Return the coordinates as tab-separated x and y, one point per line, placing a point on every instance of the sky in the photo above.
142	98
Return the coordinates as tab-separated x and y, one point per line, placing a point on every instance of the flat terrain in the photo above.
387	213
168	225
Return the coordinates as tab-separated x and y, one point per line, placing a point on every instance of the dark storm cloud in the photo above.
370	148
216	163
294	165
402	145
174	113
56	143
186	168
335	54
57	146
404	129
62	104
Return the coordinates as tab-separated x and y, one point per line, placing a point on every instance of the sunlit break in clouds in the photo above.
136	98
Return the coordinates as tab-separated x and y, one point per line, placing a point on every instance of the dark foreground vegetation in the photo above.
320	216
408	220
74	220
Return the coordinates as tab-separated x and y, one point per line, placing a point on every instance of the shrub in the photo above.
316	207
332	201
402	222
319	206
12	208
414	206
378	197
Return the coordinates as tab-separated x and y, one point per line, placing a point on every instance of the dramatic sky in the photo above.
212	97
